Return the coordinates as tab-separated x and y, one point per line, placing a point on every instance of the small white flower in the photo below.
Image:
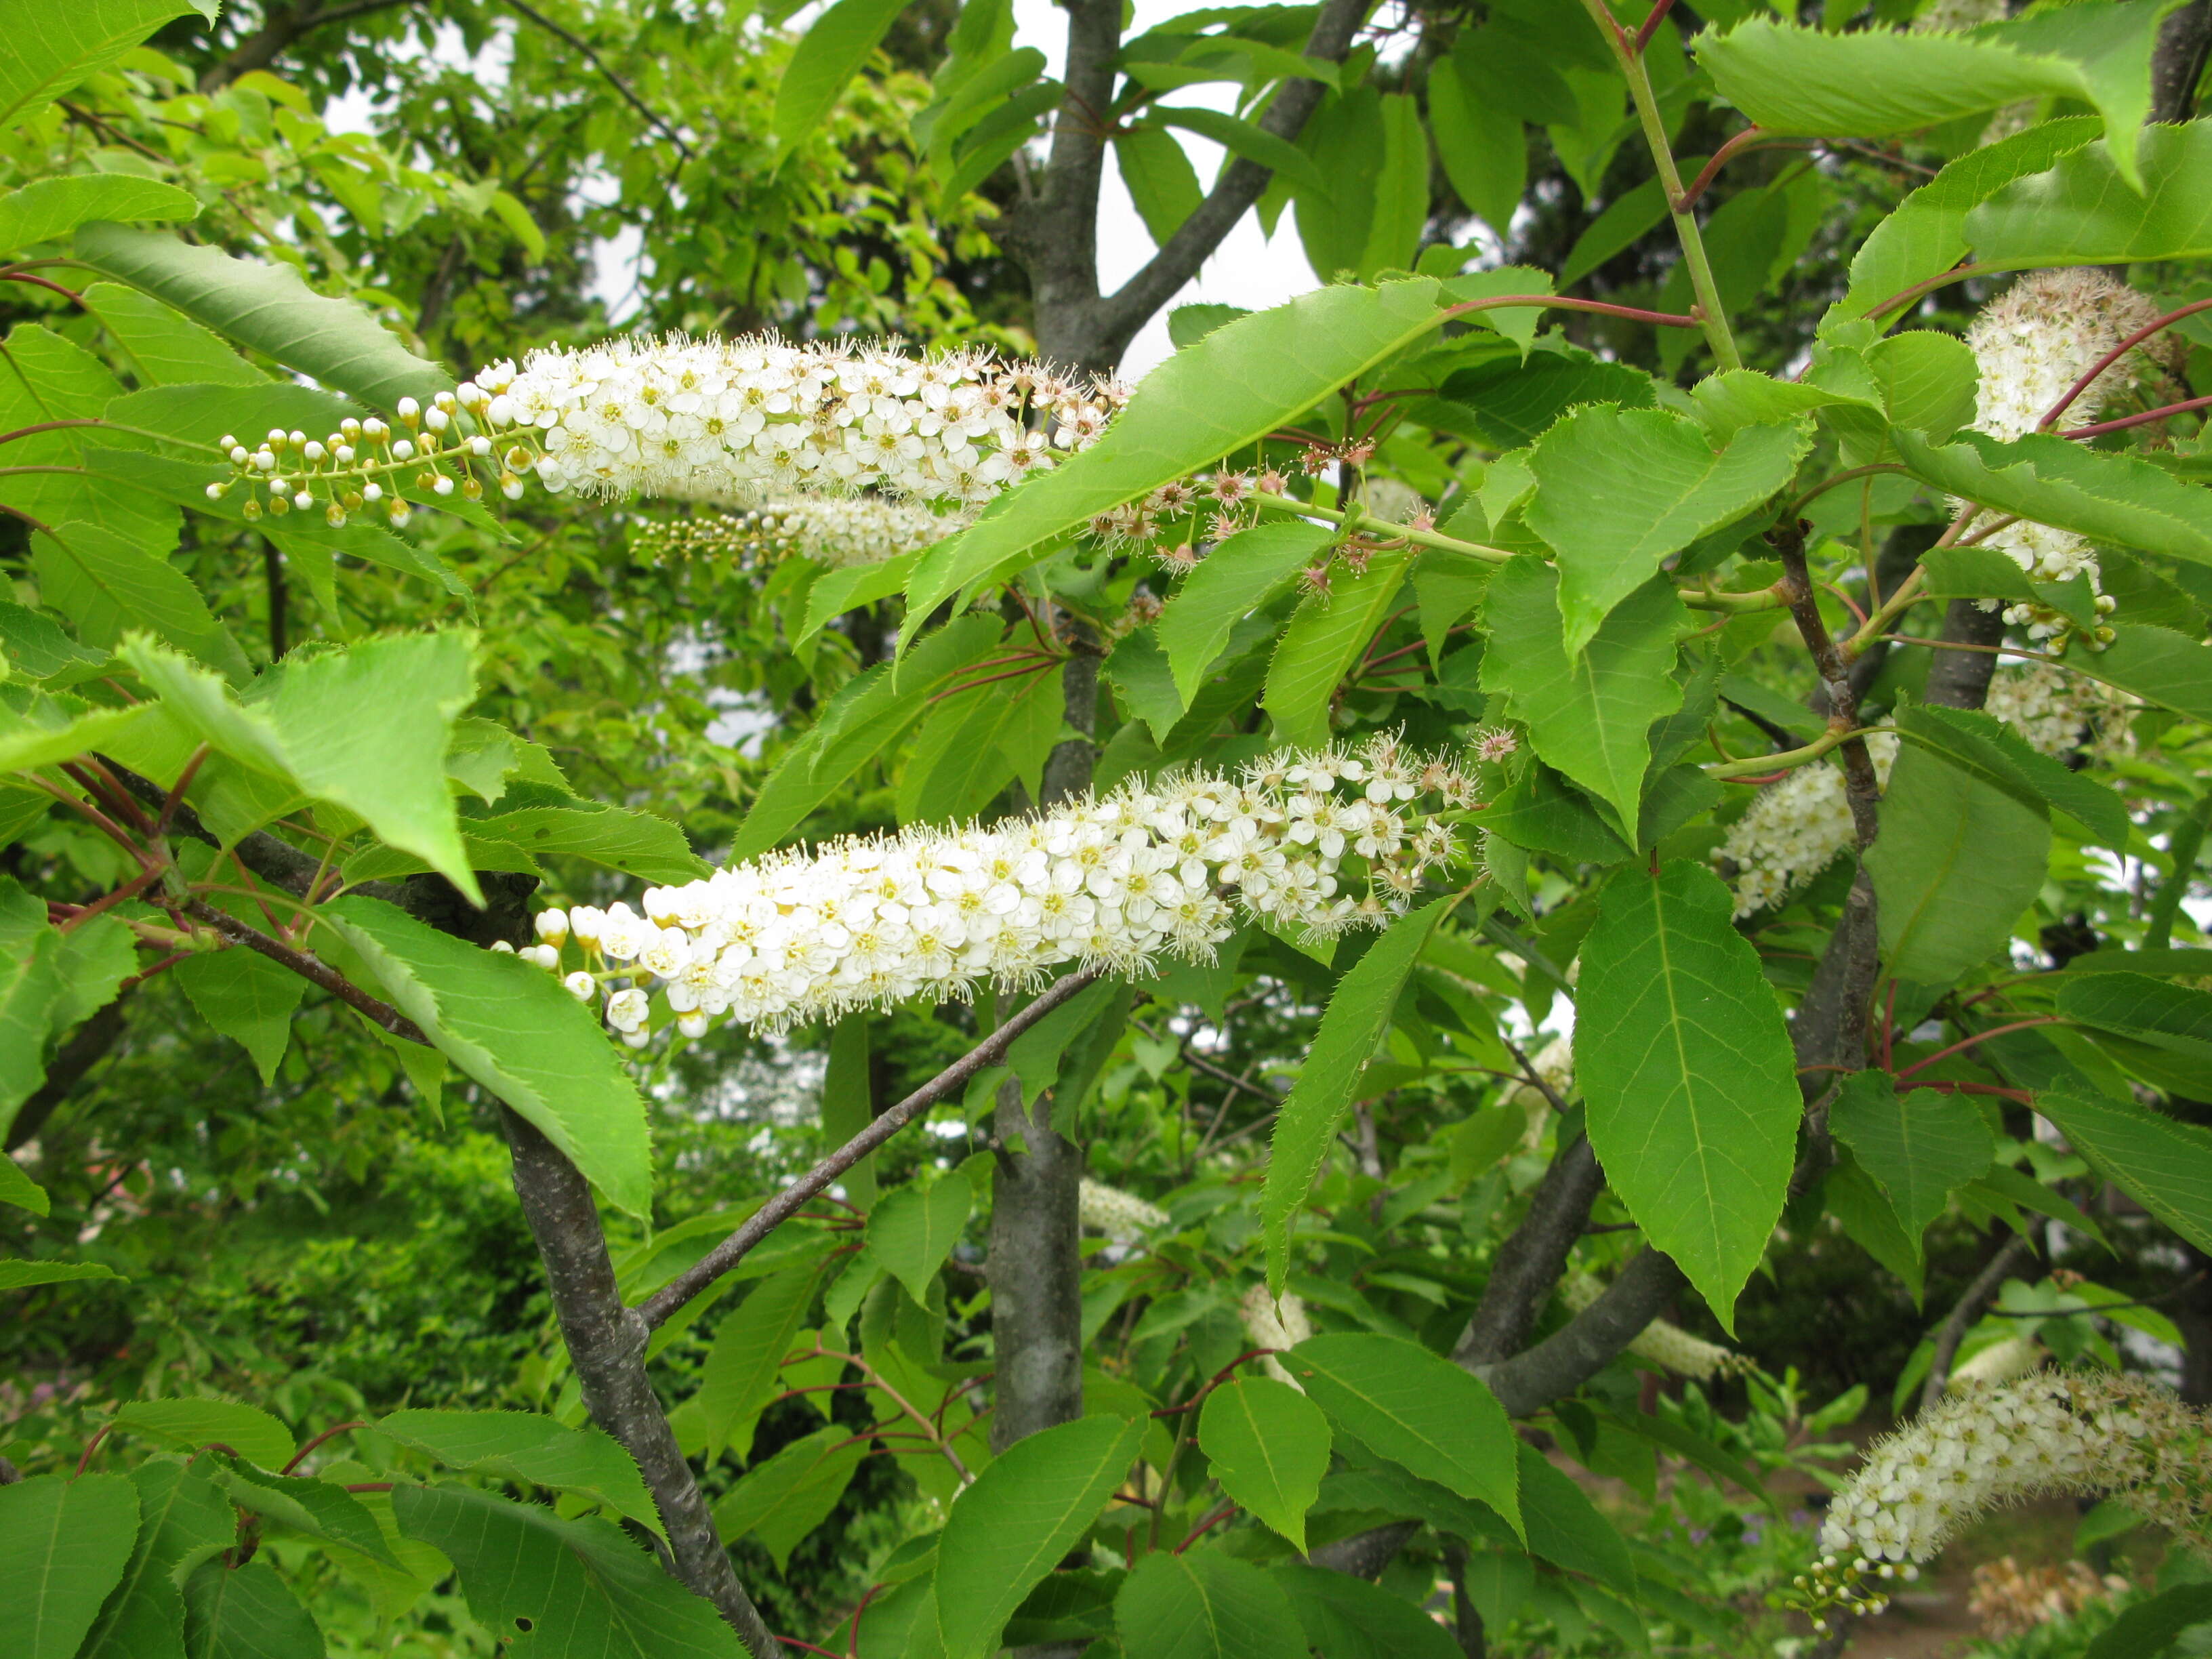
582	987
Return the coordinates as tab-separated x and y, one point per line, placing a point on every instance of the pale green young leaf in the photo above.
18	1276
366	729
27	743
1870	83
1352	1027
1203	1604
574	1590
1417	1409
68	1543
1687	1074
1231	388
537	1450
1322	645
1269	1447
1984	747
1020	1516
31	984
52	48
251	1432
782	1500
19	1189
182	1521
47	209
1618	489
1589	716
509	1024
1957	862
1925	235
1242	573
2120	499
829	56
269	308
244	995
107	584
754	1339
2081	211
2164	1165
1920	1147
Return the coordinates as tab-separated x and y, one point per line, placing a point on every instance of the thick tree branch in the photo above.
1588	1343
787	1203
1963	1313
628	92
606	1342
2177	63
1530	1262
310	967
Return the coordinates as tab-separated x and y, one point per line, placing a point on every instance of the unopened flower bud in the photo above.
409	411
551	926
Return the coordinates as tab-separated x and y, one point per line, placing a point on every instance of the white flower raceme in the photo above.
722	421
2058	713
1272	1323
2031	343
831	530
1668	1346
1121	1215
1794	830
1145	873
2075	1433
2000	1362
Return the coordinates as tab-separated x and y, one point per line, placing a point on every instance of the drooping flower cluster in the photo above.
1307	842
2030	344
2010	1600
1668	1346
1122	1216
2075	1433
831	530
1272	1323
721	421
1799	824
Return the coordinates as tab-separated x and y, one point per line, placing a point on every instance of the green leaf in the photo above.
2166	1015
2082	211
1417	1409
105	584
244	995
2159	666
51	48
366	728
913	1230
1566	1527
1236	577
2149	1628
1869	1220
20	1275
1926	235
1323	641
509	1024
29	745
1020	1516
1919	1148
166	347
267	307
1161	183
1244	139
574	1590
974	742
847	1100
1269	1447
638	843
1870	83
1687	1074
245	1613
2164	1165
251	1432
1228	390
47	209
1626	221
19	1189
1483	146
738	1378
1348	1618
305	1505
786	1498
1401	200
2108	497
1986	748
68	1543
1352	1027
1590	715
1957	862
525	1447
182	1521
1618	489
1204	1605
829	56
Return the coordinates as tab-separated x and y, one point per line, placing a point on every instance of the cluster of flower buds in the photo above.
367	465
1120	882
2072	1433
831	530
1122	1216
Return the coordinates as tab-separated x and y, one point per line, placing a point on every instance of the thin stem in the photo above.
1874	627
1228	1509
176	795
1827	485
1921	290
1979	1037
942	1442
2088	376
1762	766
1749	138
656	1307
2143	419
1658	15
301	1456
1564	302
309	969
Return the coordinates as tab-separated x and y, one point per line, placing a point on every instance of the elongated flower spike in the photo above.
1318	842
2072	1433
